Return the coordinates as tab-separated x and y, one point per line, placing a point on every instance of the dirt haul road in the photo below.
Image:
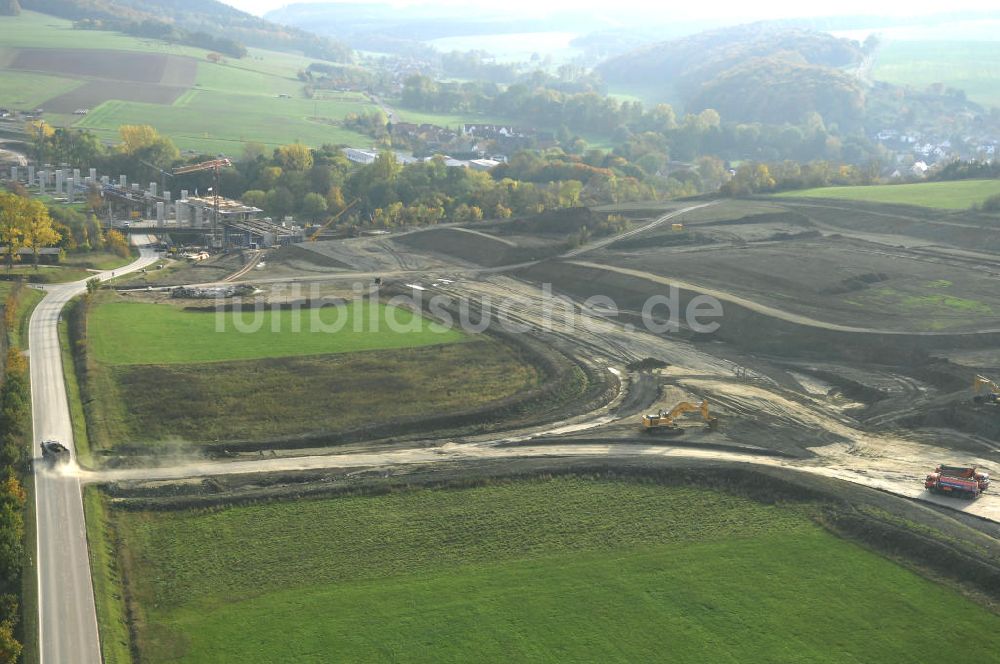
897	469
844	451
67	619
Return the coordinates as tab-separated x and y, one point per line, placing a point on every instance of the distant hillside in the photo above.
780	73
206	23
780	89
396	27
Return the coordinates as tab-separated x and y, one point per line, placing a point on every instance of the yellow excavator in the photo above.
993	390
663	421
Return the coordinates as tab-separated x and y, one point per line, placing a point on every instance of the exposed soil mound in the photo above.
297	254
474	247
647	364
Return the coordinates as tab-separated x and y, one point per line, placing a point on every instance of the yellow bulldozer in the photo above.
992	390
663	421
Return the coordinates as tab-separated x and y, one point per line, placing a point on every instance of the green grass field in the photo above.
98	260
34	30
972	66
218	121
231	103
957	195
451	120
650	95
122	333
74	267
567	569
47	274
31	90
266	400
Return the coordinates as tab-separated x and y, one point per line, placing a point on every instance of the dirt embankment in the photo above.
964	415
302	257
752	330
184	271
475	247
966	229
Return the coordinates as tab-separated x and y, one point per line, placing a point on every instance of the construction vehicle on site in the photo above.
55	452
663	421
960	481
991	396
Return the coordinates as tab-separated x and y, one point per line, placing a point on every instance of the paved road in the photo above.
67	618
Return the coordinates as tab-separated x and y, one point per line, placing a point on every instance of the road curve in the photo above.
67	619
659	221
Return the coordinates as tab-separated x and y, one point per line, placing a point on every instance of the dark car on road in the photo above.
55	452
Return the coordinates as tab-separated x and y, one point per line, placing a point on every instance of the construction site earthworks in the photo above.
716	420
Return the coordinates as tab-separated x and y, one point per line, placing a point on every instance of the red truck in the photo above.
959	481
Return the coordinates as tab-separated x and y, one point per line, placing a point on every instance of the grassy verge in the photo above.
957	195
100	260
30	297
81	442
27	301
108	588
47	274
565	569
29	579
75	267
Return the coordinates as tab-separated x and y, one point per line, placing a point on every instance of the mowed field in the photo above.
19	89
214	121
565	569
972	66
140	333
204	106
281	377
956	195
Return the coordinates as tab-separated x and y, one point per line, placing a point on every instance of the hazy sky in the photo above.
689	10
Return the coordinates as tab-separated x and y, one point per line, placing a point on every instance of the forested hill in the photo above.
760	63
205	23
780	89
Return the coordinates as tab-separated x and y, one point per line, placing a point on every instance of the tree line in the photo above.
168	32
576	107
317	184
15	435
24	223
